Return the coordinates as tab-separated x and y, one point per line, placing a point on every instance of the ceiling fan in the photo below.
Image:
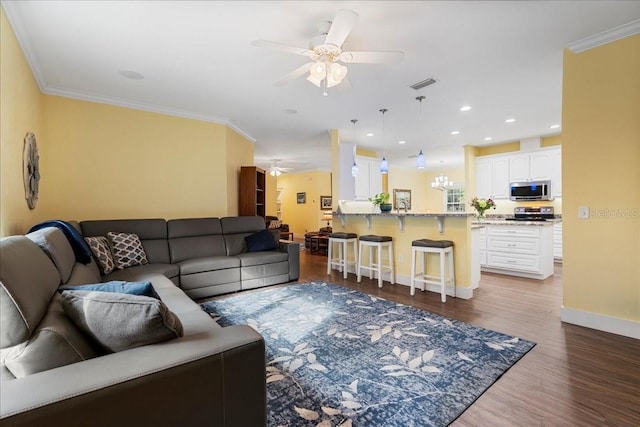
275	170
326	54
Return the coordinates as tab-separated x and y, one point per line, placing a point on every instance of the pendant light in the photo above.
384	165
354	169
420	162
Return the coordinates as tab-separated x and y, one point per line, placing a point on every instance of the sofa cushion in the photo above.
260	241
211	263
119	286
127	249
102	252
55	342
152	233
258	258
134	274
53	242
195	238
84	273
28	280
236	228
120	321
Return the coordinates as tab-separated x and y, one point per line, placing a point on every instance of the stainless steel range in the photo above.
532	213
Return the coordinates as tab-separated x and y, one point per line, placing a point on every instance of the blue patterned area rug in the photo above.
338	357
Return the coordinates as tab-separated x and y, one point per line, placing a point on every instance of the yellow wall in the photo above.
304	217
498	149
423	197
21	112
239	153
114	162
601	170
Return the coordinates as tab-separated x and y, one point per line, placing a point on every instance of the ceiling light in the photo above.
420	161
465	108
488	138
510	120
384	166
275	172
441	183
455	132
369	134
554	126
402	142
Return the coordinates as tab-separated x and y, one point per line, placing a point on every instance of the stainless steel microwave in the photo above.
530	190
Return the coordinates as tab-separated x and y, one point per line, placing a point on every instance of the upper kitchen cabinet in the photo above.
533	166
369	180
556	173
492	177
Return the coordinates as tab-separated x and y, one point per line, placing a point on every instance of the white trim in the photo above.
627	328
608	36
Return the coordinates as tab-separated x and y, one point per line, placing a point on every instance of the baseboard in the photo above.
461	292
627	328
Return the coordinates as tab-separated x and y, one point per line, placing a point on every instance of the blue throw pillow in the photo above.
260	241
117	286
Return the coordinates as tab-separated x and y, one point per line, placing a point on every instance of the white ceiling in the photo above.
502	58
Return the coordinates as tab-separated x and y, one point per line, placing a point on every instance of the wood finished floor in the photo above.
575	376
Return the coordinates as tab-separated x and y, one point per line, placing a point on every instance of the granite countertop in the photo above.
517	223
412	214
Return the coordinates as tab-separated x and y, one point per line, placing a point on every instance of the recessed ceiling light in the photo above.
133	75
510	120
455	132
289	111
369	134
465	108
402	142
488	138
554	126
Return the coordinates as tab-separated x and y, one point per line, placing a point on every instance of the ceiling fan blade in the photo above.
298	72
341	27
281	47
393	57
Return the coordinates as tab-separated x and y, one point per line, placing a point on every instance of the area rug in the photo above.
338	357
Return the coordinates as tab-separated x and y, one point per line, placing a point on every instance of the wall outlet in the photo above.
400	258
583	212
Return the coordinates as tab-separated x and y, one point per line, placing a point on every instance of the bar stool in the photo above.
342	260
442	248
376	243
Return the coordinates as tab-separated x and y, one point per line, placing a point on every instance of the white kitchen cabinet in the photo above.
369	181
482	246
520	250
557	242
492	177
534	166
556	173
475	259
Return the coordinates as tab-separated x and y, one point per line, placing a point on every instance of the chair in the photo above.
376	244
424	247
342	260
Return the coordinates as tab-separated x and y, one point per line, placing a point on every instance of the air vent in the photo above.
423	83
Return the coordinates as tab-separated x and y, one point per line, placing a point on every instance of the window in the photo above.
454	199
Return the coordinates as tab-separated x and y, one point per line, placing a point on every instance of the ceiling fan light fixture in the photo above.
314	80
275	172
318	70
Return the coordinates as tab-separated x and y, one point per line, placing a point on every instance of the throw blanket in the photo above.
80	248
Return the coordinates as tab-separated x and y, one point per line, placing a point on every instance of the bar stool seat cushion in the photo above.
428	243
343	235
374	238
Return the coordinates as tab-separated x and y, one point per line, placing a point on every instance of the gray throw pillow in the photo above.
55	342
121	321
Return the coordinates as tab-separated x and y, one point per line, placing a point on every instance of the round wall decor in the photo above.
31	170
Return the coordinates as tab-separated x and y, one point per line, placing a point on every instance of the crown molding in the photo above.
605	37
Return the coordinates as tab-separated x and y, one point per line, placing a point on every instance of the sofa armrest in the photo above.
214	376
293	250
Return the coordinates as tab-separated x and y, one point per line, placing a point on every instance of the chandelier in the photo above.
441	183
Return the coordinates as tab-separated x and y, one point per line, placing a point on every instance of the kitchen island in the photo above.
404	227
517	248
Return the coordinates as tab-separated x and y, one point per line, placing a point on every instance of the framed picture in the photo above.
326	203
401	199
301	198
